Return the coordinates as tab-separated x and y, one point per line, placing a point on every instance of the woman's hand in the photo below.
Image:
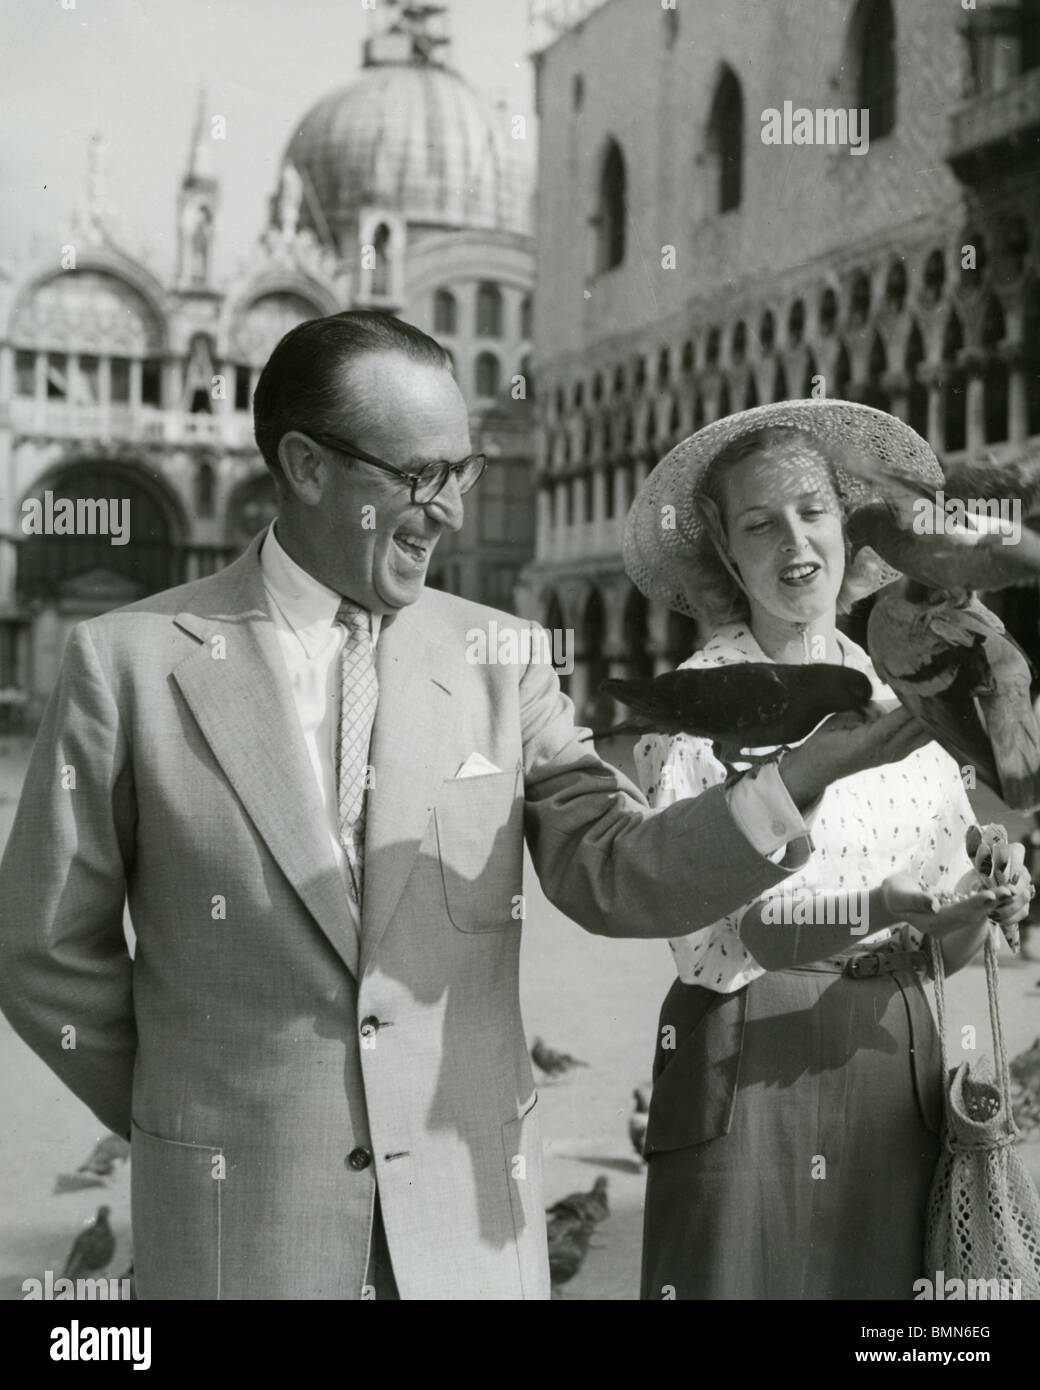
970	911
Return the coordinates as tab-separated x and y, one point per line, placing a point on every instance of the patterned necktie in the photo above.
359	692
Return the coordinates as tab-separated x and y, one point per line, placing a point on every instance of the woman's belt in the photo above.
867	965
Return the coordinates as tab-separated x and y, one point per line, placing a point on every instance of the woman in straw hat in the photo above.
793	1130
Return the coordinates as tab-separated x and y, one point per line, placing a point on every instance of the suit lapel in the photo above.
239	695
415	747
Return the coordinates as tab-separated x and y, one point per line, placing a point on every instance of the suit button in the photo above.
369	1026
359	1159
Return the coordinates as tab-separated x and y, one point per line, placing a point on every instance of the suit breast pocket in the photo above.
480	844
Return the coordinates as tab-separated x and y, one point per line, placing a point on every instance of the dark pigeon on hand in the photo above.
550	1061
753	704
93	1248
960	674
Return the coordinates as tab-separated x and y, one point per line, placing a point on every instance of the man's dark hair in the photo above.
302	385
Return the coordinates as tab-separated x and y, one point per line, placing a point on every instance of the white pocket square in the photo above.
476	765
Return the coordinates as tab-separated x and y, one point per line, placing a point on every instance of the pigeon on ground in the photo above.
753	704
550	1061
568	1238
569	1228
590	1206
638	1119
941	653
107	1152
96	1169
93	1248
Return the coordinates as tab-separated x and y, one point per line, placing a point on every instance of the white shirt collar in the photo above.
308	606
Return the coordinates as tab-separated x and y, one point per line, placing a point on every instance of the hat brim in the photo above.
665	540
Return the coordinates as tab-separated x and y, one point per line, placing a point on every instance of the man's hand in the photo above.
848	743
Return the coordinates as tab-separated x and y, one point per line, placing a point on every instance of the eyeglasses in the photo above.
429	481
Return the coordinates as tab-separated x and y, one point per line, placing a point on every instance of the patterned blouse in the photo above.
908	816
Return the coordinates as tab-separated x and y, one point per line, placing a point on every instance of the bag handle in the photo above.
1003	1078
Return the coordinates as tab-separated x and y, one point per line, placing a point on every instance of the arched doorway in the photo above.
115	539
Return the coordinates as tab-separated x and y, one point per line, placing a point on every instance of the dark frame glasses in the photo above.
429	481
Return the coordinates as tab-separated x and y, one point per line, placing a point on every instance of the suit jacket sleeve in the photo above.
603	857
65	969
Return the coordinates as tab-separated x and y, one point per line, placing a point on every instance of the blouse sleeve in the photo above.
673	769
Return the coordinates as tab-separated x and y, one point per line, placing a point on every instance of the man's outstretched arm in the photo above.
65	971
619	871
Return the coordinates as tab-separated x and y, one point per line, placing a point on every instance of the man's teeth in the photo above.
413	543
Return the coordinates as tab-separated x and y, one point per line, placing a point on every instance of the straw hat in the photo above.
666	561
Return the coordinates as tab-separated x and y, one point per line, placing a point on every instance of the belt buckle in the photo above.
864	966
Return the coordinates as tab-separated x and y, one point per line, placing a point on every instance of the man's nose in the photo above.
446	508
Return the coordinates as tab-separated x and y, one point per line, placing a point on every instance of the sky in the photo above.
131	71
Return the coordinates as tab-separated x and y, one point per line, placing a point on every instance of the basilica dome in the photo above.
410	136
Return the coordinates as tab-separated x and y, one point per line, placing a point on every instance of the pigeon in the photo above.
550	1061
943	544
590	1206
93	1248
638	1119
98	1167
107	1152
571	1222
941	653
568	1239
753	704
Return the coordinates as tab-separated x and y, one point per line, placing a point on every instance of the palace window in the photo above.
489	311
445	312
875	47
726	141
612	210
487	376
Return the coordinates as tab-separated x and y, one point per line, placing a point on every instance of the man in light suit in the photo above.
316	812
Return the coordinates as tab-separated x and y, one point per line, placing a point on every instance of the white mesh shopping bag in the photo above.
983	1210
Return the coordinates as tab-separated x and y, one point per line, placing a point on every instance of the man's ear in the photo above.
304	468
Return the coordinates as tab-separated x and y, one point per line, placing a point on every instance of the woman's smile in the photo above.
798	576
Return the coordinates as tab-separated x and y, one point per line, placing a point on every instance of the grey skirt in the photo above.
792	1138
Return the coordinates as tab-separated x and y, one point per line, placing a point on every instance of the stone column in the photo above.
933	379
976	406
1018	395
543	531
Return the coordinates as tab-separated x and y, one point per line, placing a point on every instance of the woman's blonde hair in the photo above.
720	597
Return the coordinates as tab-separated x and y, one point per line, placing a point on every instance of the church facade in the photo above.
122	394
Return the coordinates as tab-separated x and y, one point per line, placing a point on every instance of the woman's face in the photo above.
784	528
